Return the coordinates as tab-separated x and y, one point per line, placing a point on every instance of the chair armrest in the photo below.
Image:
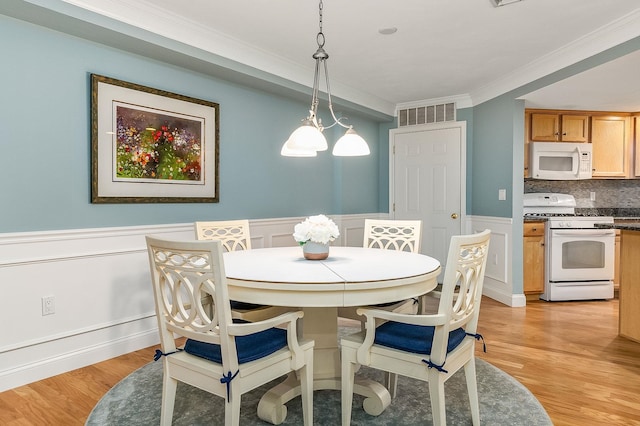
243	329
363	354
288	318
426	320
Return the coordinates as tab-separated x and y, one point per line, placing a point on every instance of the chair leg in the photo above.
169	386
306	389
472	389
436	393
232	408
348	376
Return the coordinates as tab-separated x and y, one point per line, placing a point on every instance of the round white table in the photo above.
351	276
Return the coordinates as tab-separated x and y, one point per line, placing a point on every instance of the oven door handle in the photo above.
585	232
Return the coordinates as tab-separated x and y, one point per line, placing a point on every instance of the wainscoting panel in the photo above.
103	300
498	282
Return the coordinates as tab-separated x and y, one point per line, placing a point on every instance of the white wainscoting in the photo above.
498	282
103	300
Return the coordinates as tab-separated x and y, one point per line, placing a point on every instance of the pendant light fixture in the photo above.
308	139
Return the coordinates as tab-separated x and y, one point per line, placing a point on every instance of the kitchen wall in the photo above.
622	197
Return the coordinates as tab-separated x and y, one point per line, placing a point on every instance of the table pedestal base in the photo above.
272	406
321	325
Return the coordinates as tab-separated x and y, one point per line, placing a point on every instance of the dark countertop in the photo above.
534	219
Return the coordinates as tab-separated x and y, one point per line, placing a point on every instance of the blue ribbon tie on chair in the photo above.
479	337
432	365
159	354
226	379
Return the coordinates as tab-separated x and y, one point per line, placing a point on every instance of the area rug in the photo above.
503	401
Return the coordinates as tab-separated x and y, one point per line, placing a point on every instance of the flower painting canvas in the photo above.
150	145
156	146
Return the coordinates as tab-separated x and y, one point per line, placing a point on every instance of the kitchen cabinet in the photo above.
559	127
610	137
630	286
533	261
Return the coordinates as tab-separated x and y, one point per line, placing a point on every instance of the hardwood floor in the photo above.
567	353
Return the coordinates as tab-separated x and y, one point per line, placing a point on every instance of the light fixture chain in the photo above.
320	6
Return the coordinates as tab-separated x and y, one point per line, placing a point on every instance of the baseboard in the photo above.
48	367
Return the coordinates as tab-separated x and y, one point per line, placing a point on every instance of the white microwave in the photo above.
560	160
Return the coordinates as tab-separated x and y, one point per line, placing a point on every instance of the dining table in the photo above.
350	276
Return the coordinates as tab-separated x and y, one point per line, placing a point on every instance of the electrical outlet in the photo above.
48	305
502	194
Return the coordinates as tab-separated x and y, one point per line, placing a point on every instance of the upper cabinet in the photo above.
610	136
559	127
615	138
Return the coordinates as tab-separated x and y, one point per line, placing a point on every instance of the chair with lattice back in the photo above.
235	235
401	235
430	347
222	356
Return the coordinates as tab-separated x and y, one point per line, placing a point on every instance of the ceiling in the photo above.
465	48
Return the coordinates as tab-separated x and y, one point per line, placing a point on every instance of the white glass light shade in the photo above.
307	138
350	145
289	152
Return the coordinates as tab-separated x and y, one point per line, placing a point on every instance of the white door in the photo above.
427	173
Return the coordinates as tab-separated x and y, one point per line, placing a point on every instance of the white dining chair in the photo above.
221	356
235	235
400	235
431	347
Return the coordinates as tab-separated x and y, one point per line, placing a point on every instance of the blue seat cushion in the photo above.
249	348
413	338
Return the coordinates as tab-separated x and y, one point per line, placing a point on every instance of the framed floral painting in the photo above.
152	146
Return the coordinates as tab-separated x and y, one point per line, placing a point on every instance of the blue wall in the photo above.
497	154
45	142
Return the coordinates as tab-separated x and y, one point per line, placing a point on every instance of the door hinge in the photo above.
394	207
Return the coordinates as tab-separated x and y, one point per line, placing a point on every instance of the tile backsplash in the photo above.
621	196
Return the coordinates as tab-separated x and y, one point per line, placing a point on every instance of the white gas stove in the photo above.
579	257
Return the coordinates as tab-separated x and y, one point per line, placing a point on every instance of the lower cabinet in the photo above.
533	262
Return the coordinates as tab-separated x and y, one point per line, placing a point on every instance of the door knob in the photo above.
454	215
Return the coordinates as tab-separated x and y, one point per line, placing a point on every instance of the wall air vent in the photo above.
427	114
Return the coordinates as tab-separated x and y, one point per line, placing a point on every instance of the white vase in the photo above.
315	251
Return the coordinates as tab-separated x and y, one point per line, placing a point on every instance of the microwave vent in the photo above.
427	114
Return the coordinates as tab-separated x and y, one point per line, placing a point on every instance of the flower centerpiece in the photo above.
314	235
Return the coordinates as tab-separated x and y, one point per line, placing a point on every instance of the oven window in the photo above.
583	254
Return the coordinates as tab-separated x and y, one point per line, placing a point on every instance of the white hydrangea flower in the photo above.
319	229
